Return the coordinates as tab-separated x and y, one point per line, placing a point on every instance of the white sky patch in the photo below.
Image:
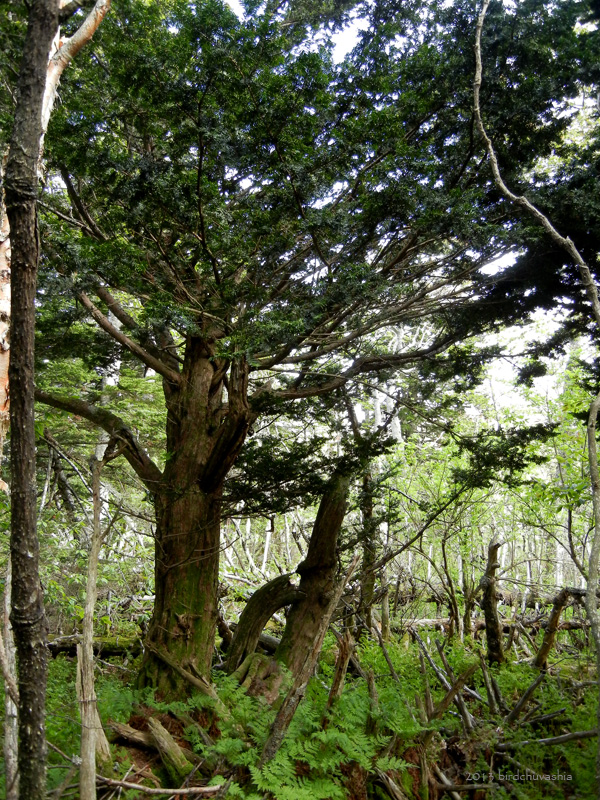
347	39
344	41
502	373
236	7
499	264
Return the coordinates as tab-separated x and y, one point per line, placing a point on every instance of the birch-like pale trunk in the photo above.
11	720
93	739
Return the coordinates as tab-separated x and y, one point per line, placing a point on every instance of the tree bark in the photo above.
367	580
317	578
93	738
4	320
187	573
493	629
27	614
303	667
259	609
36	88
203	443
541	657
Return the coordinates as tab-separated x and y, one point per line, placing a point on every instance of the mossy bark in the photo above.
203	443
185	608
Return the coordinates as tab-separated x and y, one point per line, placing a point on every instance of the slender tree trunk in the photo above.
27	614
36	89
369	550
93	739
493	629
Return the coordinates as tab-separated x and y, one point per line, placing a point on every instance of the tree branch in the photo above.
133	347
66	52
368	364
137	457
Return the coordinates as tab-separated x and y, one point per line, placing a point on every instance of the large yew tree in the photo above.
249	219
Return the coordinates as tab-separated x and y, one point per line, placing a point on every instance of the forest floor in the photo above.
420	716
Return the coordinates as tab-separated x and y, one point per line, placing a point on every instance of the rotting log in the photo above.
176	763
107	646
122	731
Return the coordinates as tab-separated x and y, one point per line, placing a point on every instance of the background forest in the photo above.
316	391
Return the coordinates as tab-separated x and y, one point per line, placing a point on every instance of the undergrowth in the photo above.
362	737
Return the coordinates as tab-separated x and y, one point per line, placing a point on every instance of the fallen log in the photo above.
565	737
106	646
171	754
192	791
443	623
120	730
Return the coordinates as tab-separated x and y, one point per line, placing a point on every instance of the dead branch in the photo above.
512	715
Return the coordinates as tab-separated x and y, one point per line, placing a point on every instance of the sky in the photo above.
344	41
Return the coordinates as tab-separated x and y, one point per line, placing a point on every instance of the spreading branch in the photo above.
133	347
137	457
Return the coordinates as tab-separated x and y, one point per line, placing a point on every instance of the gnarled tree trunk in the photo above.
317	578
489	604
203	442
259	609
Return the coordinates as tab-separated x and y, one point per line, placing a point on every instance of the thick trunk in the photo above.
317	578
187	574
204	437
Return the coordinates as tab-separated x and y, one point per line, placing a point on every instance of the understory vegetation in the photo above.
403	699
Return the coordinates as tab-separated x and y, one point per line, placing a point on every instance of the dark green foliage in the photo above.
501	455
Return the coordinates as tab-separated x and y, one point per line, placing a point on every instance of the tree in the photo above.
257	218
37	82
